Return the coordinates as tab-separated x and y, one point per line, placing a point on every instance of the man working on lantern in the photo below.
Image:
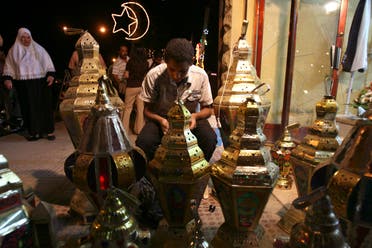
163	85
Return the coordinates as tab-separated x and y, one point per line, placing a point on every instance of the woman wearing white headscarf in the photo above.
29	68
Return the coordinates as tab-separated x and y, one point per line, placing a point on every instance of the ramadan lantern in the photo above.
81	94
241	79
104	154
281	153
348	176
244	178
179	173
114	225
318	145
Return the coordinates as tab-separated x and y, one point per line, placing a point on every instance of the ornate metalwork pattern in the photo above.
114	226
82	91
281	154
179	174
318	145
348	178
240	82
244	178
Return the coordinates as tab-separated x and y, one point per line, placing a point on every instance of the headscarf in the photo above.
27	62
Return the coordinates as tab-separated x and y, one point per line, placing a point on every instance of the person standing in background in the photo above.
118	70
136	70
11	118
29	68
157	59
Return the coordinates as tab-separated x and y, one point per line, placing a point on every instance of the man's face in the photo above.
177	71
123	52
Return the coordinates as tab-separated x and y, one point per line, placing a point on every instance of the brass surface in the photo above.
290	218
3	162
349	187
241	82
179	173
244	177
303	172
281	154
13	213
113	223
318	145
9	180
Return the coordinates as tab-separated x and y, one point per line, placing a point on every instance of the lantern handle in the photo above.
307	200
293	126
259	86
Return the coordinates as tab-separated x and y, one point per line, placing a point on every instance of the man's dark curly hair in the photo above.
179	50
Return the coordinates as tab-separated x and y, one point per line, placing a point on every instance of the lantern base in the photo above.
291	217
169	237
227	237
82	205
284	182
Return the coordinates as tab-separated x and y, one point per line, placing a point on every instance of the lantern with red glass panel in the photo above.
104	156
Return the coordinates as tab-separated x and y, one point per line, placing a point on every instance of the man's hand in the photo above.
192	124
164	125
8	84
50	80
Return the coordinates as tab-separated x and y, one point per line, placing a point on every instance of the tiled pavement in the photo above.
39	164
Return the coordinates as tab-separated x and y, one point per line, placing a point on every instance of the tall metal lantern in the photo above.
81	94
244	178
348	176
179	173
105	152
281	154
318	145
241	80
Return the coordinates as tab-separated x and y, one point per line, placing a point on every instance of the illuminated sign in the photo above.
133	21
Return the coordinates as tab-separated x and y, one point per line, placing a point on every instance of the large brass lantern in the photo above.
179	173
104	154
241	79
348	176
244	178
318	145
81	94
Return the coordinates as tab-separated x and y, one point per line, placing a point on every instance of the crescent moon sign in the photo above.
129	16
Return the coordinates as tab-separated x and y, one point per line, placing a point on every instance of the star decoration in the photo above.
129	22
127	16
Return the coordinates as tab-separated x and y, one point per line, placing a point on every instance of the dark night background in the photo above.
169	19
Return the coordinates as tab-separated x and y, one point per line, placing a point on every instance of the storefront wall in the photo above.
316	33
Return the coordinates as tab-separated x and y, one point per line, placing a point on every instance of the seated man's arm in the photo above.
204	113
148	113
